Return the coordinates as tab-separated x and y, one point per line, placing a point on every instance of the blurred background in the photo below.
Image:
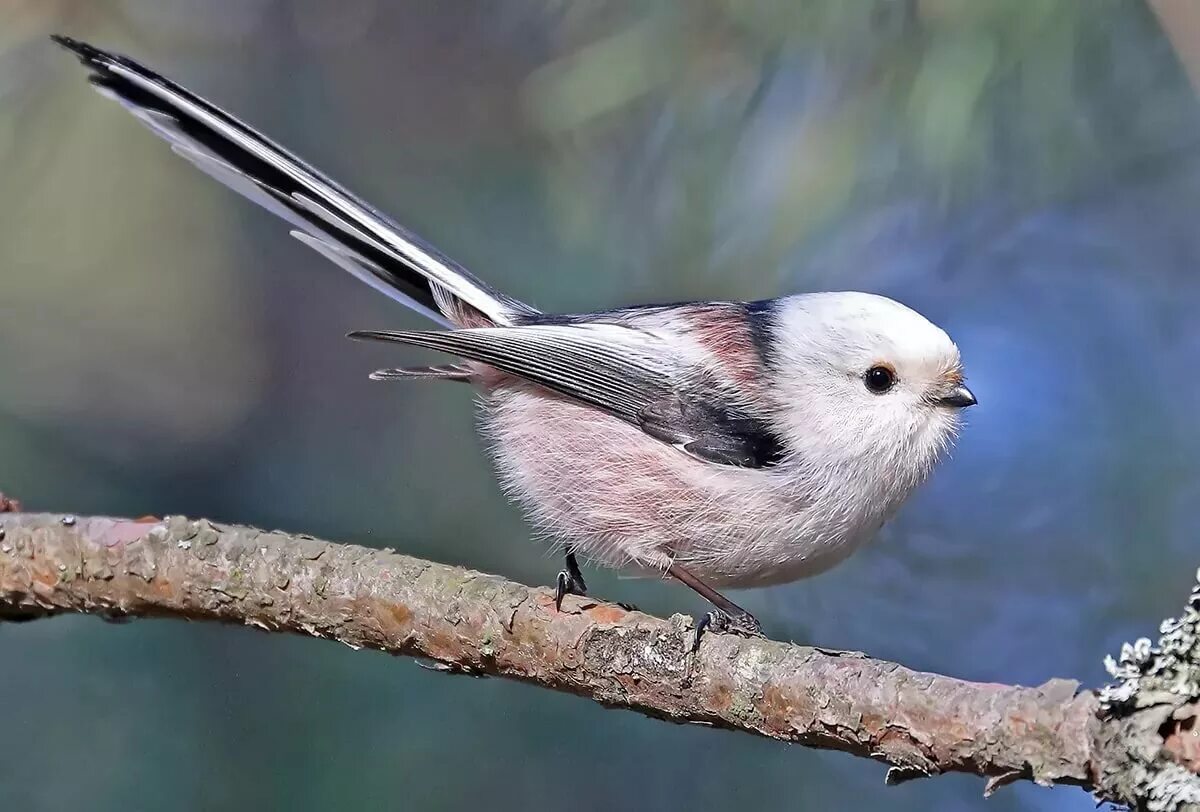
1025	174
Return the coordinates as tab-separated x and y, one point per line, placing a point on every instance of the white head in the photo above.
865	386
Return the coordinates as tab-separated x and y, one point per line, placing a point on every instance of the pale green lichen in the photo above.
1143	671
1171	788
743	707
1164	676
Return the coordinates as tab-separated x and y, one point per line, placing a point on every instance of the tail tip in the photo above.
89	55
81	49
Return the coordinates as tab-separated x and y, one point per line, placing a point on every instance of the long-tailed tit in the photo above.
725	444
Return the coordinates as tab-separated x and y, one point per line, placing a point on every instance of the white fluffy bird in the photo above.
724	444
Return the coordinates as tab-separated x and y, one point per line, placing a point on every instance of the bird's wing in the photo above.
632	374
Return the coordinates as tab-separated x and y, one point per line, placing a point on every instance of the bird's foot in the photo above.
718	621
568	583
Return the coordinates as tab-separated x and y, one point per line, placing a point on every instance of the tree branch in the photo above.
469	622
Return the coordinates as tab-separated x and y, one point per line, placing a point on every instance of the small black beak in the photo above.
959	398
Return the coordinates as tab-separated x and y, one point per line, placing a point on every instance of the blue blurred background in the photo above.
1025	174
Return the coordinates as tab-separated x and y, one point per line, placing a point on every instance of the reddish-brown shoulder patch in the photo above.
723	330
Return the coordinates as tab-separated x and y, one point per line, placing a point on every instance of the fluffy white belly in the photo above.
624	499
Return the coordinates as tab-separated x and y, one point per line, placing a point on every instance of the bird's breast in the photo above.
627	500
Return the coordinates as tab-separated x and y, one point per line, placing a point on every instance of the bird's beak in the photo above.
959	397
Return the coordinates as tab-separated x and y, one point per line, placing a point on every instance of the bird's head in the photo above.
865	383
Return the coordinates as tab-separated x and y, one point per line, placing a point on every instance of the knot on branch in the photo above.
1156	697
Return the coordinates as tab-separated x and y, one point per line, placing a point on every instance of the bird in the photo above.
722	444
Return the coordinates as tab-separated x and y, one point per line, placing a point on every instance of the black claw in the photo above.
566	584
705	622
718	621
569	581
562	585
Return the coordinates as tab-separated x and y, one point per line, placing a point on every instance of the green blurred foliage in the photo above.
943	87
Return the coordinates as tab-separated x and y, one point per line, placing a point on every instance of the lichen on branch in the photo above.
1159	686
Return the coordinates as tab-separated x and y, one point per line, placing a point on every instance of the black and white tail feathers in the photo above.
328	218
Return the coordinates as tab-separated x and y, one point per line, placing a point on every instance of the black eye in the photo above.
879	379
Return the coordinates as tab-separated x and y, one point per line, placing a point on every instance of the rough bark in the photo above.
470	622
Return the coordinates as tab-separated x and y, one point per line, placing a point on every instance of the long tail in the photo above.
328	218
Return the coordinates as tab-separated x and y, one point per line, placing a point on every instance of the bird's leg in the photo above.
726	617
569	581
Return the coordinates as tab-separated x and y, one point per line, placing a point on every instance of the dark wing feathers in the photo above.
628	373
594	364
710	428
